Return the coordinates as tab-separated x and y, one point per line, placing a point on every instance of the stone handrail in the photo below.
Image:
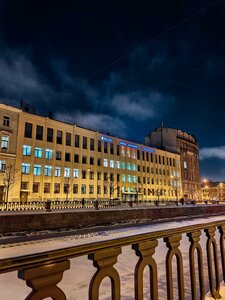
43	271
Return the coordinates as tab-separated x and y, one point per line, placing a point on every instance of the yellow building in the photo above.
56	160
213	190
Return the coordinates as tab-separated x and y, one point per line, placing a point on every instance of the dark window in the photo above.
84	159
28	130
68	138
91	160
36	187
84	142
66	188
57	188
39	132
118	149
92	144
105	147
99	176
147	156
50	135
59	137
118	177
83	175
76	158
75	188
159	159
144	180
138	168
99	146
58	155
151	157
143	168
143	155
138	154
111	177
6	121
67	156
46	187
99	161
111	149
77	141
147	169
105	176
156	160
163	160
91	189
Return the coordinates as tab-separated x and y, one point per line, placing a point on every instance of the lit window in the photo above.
185	165
48	170
105	162
25	168
111	163
5	142
123	151
133	167
37	170
128	166
134	179
128	152
67	172
2	165
83	189
75	173
26	150
123	177
57	172
128	178
123	165
133	153
38	152
48	154
118	164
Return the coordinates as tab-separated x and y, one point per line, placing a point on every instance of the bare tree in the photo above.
8	179
110	186
175	186
138	190
67	187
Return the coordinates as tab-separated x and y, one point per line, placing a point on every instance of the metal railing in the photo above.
43	271
76	204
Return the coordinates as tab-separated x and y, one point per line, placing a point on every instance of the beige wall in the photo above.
162	175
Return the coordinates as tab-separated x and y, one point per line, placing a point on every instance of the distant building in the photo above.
57	160
213	190
186	147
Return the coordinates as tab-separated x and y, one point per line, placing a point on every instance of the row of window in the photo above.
67	189
105	146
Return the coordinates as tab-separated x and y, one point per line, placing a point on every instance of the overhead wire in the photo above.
188	18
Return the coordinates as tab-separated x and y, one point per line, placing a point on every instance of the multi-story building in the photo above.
56	160
213	190
186	146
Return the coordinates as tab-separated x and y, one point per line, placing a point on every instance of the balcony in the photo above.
189	271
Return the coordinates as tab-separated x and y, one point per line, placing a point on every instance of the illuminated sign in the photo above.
132	146
149	150
103	138
123	143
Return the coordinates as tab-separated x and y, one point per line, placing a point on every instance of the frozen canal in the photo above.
75	281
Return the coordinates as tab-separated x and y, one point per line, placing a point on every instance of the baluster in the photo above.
211	244
104	260
44	279
173	242
145	250
194	238
222	248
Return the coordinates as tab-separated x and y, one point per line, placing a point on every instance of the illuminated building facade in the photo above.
213	190
186	146
56	160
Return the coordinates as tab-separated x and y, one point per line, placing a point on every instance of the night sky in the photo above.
121	66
